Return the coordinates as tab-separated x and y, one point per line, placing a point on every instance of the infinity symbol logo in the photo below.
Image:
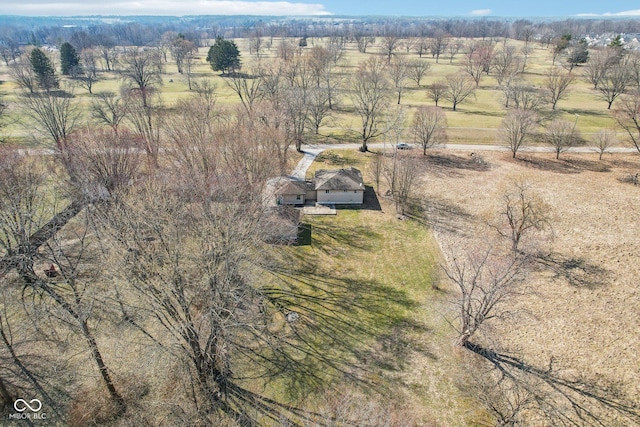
21	405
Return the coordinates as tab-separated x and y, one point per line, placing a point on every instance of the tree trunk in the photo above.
463	339
102	367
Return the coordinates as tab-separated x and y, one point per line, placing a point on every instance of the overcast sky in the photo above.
511	8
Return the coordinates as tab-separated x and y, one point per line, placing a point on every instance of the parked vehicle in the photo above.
403	146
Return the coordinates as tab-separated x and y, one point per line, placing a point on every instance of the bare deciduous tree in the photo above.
562	134
459	88
604	140
110	109
406	174
51	114
453	47
525	97
22	73
398	72
401	174
557	84
598	64
628	117
370	95
487	284
102	162
506	397
143	71
247	87
506	64
421	46
388	46
614	81
517	128
478	61
25	209
319	108
145	116
436	91
522	218
429	127
438	44
376	170
417	70
363	41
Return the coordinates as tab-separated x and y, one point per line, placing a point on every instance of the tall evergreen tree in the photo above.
69	59
43	68
224	56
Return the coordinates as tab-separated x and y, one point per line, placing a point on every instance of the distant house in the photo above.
339	186
335	186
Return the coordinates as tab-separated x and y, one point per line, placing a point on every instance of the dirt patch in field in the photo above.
585	314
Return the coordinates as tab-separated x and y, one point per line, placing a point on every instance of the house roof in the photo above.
285	185
339	179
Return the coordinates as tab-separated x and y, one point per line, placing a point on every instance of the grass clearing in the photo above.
413	350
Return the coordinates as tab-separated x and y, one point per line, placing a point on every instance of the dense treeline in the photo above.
139	31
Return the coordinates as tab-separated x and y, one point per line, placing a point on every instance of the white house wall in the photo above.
341	197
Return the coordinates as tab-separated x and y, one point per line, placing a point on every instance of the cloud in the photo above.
481	12
161	7
625	13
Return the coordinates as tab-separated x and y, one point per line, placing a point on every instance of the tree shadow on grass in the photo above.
439	214
588	165
623	163
565	165
576	271
450	165
335	236
548	165
563	399
345	330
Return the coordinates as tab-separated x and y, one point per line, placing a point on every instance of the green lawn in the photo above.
485	111
394	334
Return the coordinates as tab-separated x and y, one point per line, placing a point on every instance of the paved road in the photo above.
312	151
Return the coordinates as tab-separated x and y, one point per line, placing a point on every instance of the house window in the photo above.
326	191
298	197
355	191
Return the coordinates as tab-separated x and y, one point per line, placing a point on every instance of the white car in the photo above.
403	146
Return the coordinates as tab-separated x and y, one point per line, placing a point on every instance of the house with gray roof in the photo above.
339	186
329	186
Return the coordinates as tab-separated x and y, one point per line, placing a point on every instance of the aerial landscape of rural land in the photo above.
307	213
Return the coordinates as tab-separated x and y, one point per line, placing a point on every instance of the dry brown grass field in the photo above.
582	313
